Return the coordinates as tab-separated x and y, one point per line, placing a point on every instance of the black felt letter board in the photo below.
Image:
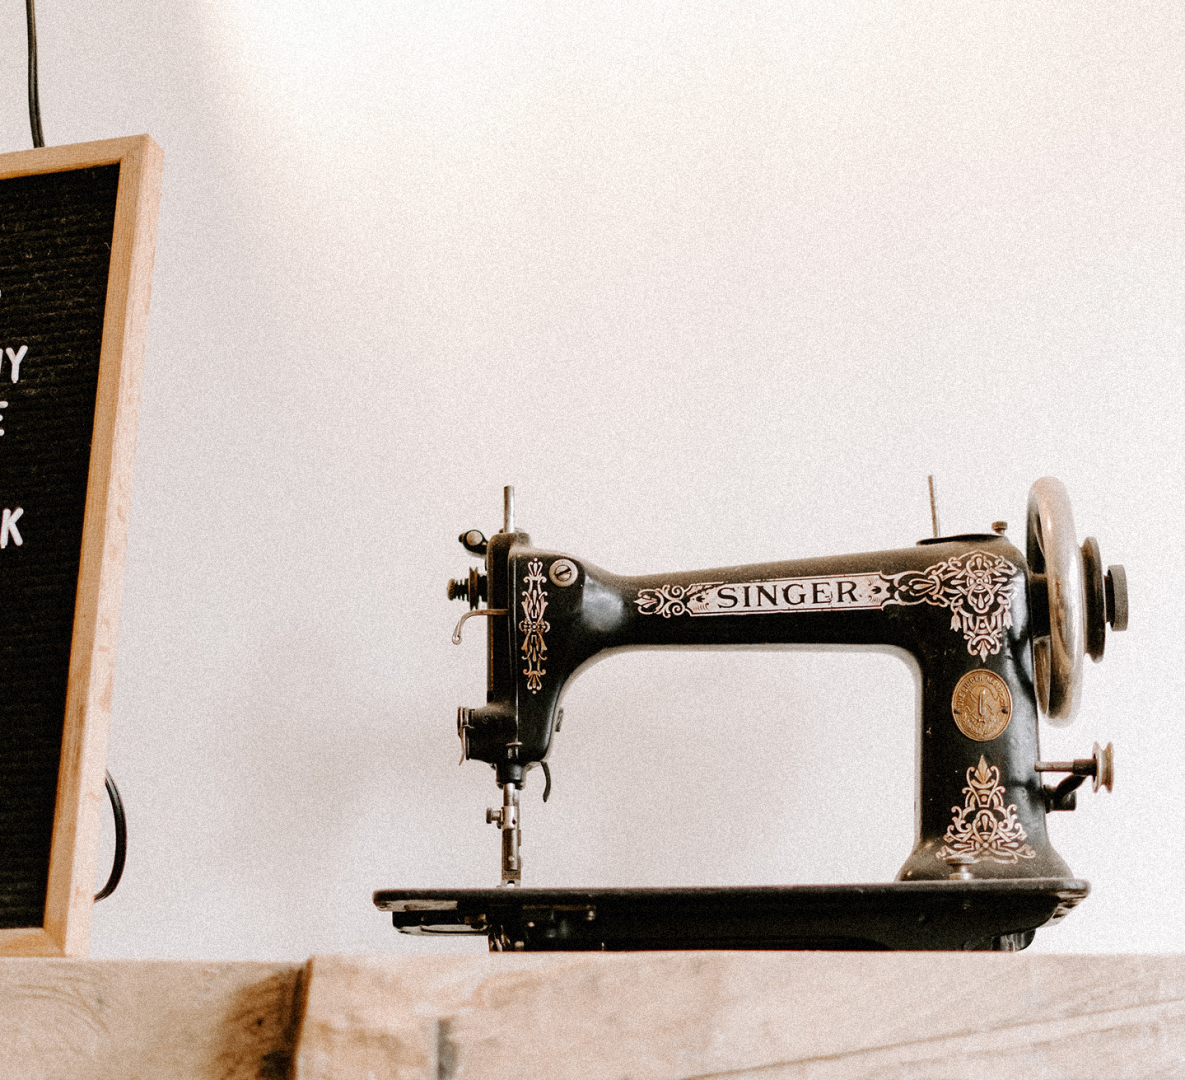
55	256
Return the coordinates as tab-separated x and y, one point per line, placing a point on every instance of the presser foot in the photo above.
507	820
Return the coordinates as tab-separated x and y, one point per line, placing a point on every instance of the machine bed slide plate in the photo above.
997	915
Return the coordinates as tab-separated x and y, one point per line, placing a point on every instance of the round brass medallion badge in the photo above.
982	705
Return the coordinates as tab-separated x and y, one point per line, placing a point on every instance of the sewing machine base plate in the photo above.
1000	915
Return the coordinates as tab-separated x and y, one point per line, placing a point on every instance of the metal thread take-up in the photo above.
474	614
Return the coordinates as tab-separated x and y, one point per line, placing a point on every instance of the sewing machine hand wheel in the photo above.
1080	600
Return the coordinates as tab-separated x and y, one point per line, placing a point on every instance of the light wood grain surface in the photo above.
136	1020
643	1016
754	1016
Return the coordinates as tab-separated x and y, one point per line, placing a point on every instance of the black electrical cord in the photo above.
121	822
34	99
121	841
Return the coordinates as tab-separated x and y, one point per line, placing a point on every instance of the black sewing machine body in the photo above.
995	634
958	606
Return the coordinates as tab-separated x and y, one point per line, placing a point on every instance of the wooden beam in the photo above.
646	1016
744	1016
117	1019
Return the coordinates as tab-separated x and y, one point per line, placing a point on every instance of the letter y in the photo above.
15	358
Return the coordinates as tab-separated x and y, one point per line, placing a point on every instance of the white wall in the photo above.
709	283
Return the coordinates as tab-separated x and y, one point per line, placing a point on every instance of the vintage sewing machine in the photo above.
996	634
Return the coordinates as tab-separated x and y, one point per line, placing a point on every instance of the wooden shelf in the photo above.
648	1016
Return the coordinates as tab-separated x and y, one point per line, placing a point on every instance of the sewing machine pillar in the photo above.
981	804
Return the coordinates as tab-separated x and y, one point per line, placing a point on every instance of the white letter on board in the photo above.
8	526
15	358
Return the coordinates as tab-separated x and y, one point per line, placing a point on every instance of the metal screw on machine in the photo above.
960	866
999	527
563	572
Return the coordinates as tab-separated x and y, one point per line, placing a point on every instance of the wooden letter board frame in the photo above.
81	772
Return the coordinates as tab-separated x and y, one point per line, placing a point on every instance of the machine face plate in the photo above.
997	915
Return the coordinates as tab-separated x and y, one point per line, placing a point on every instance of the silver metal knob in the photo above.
1100	766
960	867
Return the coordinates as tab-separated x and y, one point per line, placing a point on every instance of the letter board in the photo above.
77	238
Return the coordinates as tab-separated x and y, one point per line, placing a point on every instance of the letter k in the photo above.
8	527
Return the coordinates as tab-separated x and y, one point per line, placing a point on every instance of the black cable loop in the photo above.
121	841
34	98
121	822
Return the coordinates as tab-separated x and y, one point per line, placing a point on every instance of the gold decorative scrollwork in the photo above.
668	600
983	827
977	587
533	626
